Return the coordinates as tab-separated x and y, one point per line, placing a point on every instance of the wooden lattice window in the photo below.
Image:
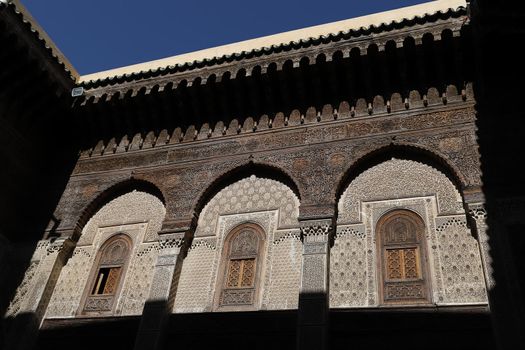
403	268
241	267
108	275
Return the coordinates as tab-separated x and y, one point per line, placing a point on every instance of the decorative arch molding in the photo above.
404	151
112	193
244	171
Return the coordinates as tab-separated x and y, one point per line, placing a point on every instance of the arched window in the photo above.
402	258
241	267
106	279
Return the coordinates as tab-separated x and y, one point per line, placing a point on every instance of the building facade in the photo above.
320	188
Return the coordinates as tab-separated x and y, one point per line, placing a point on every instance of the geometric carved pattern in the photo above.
397	178
286	261
460	262
251	194
408	291
138	213
411	263
400	231
245	244
234	272
266	203
348	268
115	253
241	273
23	289
237	297
393	264
402	264
400	234
99	303
112	281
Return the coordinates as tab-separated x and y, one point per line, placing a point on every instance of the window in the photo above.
107	276
241	267
403	277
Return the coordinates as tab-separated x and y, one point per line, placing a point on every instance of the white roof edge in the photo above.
375	19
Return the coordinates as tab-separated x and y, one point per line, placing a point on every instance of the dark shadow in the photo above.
38	150
88	333
312	321
375	328
500	122
233	330
430	328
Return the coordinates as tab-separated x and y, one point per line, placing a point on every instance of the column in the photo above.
313	298
478	216
155	317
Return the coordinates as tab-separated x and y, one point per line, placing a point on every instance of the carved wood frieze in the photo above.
316	158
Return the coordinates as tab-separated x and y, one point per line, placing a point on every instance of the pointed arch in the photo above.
401	151
111	193
241	172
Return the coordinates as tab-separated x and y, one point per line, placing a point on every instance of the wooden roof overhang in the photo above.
362	72
35	80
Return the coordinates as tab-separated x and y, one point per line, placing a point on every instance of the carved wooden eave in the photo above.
404	65
259	60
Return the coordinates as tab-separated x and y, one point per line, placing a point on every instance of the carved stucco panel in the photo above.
249	195
140	278
348	268
194	283
284	271
132	207
314	270
139	215
461	265
397	178
456	275
20	300
265	202
71	283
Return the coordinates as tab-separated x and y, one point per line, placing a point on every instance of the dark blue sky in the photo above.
97	35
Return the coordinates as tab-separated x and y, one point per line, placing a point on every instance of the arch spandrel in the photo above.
395	179
83	199
253	200
369	157
137	214
130	208
214	179
248	195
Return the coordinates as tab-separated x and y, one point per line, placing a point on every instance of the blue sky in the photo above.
97	35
